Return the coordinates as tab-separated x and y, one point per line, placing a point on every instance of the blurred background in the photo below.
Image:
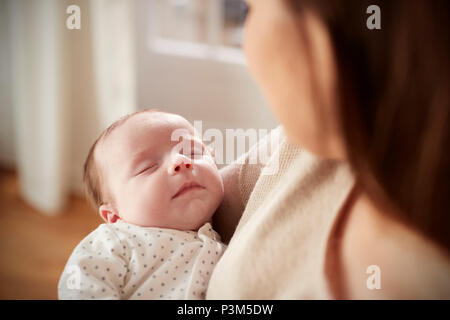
60	87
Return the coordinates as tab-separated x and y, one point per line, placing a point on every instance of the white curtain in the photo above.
67	86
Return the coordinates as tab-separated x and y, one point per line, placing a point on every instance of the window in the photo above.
211	29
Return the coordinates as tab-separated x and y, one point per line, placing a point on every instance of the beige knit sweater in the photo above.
279	248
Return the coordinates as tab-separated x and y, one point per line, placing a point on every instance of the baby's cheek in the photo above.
141	198
150	212
215	183
154	203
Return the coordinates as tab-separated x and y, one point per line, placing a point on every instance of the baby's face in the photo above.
151	181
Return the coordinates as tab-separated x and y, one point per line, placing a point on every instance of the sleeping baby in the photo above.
156	186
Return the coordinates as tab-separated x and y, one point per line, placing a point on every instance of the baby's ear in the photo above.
108	213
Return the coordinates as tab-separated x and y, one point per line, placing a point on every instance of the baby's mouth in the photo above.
187	187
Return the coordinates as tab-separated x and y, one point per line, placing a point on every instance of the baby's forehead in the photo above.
152	122
139	129
158	117
161	124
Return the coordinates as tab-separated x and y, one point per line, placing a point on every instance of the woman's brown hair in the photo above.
394	102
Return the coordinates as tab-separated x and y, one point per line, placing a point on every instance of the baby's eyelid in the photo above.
151	166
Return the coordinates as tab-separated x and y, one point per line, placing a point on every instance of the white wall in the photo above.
221	94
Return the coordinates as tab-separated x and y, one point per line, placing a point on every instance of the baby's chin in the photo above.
195	214
195	224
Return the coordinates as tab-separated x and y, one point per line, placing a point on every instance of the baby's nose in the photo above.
179	163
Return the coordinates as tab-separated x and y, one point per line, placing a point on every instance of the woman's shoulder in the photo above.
383	258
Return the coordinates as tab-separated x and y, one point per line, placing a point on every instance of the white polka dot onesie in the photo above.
125	261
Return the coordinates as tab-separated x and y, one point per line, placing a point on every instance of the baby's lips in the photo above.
186	186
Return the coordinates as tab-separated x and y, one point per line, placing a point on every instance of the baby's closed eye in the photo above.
147	169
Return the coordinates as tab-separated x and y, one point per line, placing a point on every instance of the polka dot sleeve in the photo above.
124	261
97	268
